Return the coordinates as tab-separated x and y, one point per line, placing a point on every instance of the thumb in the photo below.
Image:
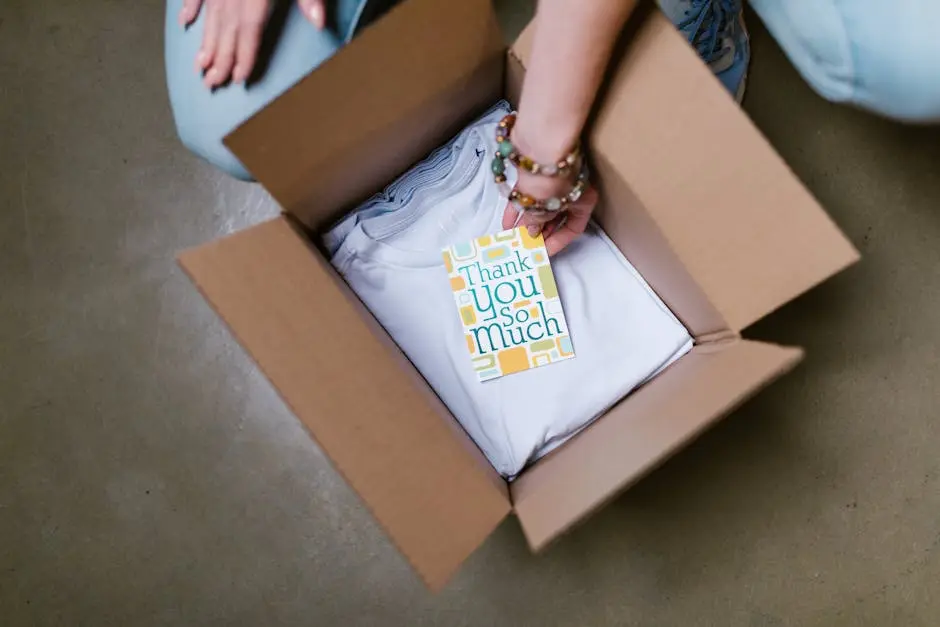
314	11
533	221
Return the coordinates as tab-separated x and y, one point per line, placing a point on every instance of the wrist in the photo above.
545	184
545	143
546	148
542	187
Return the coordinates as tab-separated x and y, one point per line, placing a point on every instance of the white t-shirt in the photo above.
389	251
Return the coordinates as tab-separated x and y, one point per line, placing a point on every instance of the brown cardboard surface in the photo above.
627	222
355	393
383	102
746	229
694	196
642	432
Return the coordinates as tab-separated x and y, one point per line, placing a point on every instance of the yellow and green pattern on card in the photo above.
508	303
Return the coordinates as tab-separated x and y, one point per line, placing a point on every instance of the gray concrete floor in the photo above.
149	475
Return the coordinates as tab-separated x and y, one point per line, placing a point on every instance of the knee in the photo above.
883	61
202	118
876	55
202	137
901	79
898	79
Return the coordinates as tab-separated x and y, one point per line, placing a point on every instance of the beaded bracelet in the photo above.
526	203
506	151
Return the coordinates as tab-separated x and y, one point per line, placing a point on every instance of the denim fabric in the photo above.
881	56
204	117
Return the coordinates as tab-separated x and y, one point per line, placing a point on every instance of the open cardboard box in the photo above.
724	240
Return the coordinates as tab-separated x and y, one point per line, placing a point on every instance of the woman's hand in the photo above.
570	51
558	229
232	34
545	144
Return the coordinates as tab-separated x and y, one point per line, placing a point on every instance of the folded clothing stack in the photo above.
389	251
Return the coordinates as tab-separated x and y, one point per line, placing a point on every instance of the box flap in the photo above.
745	228
640	433
633	230
358	396
381	103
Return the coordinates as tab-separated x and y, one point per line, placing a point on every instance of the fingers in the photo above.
560	238
246	52
231	38
314	11
554	225
573	225
224	58
189	12
558	230
509	216
210	37
534	222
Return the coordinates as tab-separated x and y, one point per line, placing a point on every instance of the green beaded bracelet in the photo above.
505	151
526	203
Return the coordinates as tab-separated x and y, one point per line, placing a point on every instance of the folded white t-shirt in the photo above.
389	251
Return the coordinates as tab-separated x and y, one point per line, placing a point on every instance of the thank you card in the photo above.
508	303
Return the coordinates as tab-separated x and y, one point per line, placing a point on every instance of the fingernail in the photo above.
534	229
316	14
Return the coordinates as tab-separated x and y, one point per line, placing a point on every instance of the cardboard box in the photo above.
693	195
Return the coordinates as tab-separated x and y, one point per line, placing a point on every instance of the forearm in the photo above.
570	52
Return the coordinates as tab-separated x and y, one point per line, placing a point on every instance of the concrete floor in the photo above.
149	475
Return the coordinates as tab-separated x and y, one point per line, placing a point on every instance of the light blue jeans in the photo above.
291	49
881	55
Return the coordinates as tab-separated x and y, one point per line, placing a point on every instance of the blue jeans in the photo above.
879	55
293	48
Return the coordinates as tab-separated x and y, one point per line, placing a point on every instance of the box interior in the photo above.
719	252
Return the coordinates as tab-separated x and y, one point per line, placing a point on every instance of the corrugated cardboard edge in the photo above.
746	229
282	303
327	143
640	434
